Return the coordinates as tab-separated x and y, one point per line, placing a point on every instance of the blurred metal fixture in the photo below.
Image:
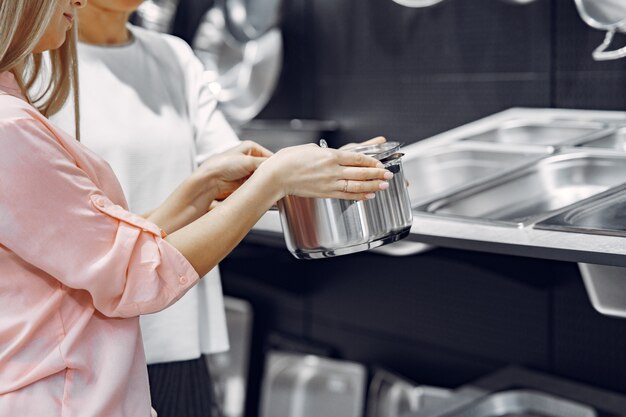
248	20
393	396
605	287
311	386
427	3
609	15
417	3
243	75
525	403
229	369
517	392
157	15
518	1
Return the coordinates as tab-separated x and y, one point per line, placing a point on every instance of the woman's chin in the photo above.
50	45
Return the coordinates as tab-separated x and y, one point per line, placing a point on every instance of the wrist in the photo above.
271	181
202	182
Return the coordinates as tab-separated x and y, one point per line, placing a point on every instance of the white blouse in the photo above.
147	110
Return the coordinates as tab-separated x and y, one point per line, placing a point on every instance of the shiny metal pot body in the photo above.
324	227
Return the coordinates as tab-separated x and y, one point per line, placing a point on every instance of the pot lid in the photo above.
379	151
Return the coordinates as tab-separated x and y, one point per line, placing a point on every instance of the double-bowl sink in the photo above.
550	173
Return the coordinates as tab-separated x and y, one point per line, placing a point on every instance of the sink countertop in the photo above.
429	229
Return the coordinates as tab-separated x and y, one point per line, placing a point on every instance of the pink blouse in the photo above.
76	271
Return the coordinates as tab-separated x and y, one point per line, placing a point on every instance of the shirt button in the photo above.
182	279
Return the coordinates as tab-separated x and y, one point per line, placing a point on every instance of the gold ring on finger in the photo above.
345	186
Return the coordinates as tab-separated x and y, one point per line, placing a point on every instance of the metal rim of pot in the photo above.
379	151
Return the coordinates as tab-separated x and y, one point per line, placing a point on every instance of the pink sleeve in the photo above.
56	219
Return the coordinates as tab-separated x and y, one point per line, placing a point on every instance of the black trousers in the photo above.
183	389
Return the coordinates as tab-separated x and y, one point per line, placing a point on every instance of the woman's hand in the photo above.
311	171
307	171
228	170
216	178
375	141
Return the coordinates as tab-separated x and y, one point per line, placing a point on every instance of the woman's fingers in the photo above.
351	196
353	159
360	187
253	162
375	141
363	174
249	147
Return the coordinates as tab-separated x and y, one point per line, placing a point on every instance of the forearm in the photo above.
187	203
206	241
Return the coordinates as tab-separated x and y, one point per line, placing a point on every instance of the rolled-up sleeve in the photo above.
56	218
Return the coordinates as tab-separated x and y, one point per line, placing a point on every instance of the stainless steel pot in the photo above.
323	227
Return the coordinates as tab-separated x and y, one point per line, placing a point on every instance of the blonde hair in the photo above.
22	24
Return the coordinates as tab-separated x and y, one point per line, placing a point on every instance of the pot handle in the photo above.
601	53
394	168
390	162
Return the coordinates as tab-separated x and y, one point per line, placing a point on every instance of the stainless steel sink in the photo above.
444	169
525	403
537	191
615	139
602	216
548	133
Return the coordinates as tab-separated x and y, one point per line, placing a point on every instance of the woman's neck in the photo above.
103	27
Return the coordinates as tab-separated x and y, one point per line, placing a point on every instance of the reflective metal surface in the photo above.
615	139
248	20
609	15
445	169
311	386
604	216
528	132
157	15
242	75
392	396
539	190
417	3
229	369
324	227
525	403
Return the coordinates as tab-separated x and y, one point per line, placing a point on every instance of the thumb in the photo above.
255	161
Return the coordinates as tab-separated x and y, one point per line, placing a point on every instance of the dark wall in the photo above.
380	68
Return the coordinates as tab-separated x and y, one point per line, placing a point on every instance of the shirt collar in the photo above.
9	85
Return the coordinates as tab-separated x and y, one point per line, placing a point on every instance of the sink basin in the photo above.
613	140
548	133
604	216
393	396
537	191
297	385
525	403
445	169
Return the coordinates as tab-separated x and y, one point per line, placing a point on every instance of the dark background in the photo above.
444	317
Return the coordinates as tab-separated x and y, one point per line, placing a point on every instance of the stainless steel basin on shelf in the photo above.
602	216
547	133
615	139
538	191
525	403
442	170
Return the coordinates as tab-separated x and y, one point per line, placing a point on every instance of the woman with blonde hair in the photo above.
77	268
